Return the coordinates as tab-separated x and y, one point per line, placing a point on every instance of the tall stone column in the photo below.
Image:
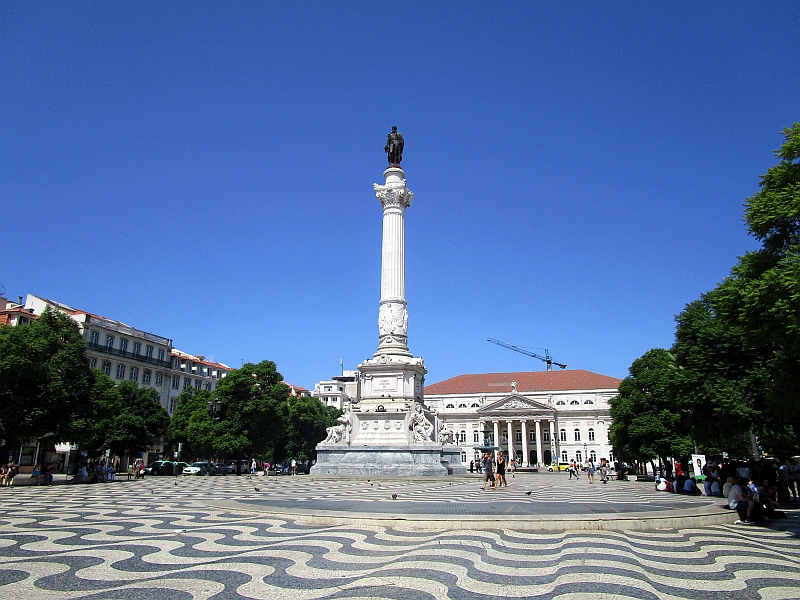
496	433
539	456
525	458
393	312
510	440
553	444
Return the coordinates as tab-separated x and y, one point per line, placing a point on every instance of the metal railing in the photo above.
166	364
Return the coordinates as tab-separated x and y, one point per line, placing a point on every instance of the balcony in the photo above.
165	364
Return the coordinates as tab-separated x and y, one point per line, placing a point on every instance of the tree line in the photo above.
49	393
731	380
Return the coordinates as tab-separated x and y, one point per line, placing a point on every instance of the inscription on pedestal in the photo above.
384	384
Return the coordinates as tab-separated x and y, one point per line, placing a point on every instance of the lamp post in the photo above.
214	409
585	453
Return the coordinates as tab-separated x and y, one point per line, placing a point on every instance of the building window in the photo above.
146	376
462	405
94	338
134	373
504	437
159	378
197	383
577	435
161	354
172	405
107	367
137	349
176	364
588	402
120	371
187	382
563	456
476	437
579	457
109	341
463	437
611	456
176	382
148	351
123	346
593	456
93	363
463	457
474	405
531	436
574	403
546	436
591	434
563	433
561	403
449	406
518	436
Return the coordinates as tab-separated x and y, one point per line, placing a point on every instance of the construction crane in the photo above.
547	359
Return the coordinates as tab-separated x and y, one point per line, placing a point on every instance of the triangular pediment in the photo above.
514	402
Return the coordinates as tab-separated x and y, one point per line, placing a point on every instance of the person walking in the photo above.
488	471
590	472
501	470
253	467
472	466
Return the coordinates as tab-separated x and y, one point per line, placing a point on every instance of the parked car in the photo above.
199	468
562	466
164	467
223	469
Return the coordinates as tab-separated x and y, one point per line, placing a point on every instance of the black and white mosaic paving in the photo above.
161	539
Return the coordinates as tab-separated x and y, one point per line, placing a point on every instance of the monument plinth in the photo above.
388	430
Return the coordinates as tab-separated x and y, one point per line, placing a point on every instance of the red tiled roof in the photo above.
532	381
297	388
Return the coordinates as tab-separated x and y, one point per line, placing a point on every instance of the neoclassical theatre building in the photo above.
535	416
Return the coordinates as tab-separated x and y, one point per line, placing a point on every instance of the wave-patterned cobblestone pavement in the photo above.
159	539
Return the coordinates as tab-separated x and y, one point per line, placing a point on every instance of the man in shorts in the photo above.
488	471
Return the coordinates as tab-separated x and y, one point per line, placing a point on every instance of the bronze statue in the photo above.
394	146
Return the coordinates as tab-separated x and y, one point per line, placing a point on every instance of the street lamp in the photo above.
585	452
214	409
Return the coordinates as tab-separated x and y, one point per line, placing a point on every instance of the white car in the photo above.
197	468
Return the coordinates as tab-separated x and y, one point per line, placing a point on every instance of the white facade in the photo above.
537	417
338	391
189	370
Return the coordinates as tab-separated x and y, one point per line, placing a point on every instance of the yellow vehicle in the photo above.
562	466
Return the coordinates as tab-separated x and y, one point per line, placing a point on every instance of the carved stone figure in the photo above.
446	435
392	319
514	387
394	147
341	432
419	425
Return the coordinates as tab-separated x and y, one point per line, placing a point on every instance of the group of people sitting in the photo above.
752	488
7	474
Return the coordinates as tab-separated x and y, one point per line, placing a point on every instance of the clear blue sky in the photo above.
204	170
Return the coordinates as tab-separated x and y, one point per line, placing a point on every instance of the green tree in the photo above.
44	378
646	422
254	407
762	295
191	424
720	381
306	422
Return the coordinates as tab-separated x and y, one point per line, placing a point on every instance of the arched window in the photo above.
463	437
476	438
546	436
611	457
504	437
591	434
120	371
574	403
532	436
475	405
577	435
462	405
463	457
563	433
588	402
563	456
579	457
449	406
593	456
561	403
518	436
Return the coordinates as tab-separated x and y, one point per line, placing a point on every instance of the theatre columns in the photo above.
525	457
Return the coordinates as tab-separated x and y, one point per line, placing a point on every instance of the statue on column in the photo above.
341	432
394	147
